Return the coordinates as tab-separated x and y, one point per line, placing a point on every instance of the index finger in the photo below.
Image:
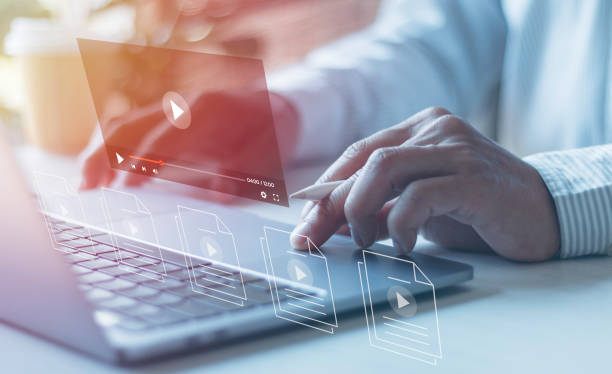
357	154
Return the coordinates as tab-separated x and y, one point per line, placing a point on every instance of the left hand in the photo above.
436	174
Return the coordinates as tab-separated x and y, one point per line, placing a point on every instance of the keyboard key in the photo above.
139	292
140	261
65	236
118	302
136	277
163	298
181	274
117	270
117	255
140	310
95	277
80	270
99	249
183	291
97	294
162	267
164	284
116	284
98	263
77	243
78	257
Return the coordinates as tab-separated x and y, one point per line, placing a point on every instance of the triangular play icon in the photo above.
299	274
401	300
63	210
211	250
176	110
119	158
133	228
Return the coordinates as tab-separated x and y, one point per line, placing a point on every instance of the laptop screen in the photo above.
189	117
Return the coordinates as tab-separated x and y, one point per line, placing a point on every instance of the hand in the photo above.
436	175
228	131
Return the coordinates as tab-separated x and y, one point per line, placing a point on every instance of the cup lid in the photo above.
29	36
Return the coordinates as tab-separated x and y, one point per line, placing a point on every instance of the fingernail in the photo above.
355	235
397	245
298	236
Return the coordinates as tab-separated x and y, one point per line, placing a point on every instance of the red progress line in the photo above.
146	159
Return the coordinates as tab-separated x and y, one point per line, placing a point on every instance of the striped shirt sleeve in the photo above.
580	183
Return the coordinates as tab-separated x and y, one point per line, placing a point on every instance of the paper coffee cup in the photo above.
58	113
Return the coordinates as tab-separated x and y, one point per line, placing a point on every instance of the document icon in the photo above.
214	269
58	199
392	329
132	227
301	280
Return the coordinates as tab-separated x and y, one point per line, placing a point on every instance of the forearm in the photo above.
417	54
580	183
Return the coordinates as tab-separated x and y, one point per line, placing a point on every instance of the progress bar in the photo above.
206	172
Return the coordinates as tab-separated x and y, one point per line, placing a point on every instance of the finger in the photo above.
96	170
387	172
451	233
324	219
420	201
358	153
344	230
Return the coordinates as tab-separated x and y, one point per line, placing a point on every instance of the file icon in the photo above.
211	256
132	227
301	280
58	199
394	327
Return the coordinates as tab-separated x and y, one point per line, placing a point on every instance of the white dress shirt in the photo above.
536	75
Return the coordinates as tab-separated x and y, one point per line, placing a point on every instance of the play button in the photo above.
177	110
119	158
298	271
211	249
401	301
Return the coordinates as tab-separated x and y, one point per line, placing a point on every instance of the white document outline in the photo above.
272	281
370	313
43	206
147	273
195	286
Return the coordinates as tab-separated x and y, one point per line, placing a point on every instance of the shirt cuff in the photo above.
580	183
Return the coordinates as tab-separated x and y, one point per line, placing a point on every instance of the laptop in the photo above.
69	282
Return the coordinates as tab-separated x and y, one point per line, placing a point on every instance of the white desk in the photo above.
554	317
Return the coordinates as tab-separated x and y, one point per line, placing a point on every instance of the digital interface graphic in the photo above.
58	199
209	243
306	270
194	118
132	227
393	327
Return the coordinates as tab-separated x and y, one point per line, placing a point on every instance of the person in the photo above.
534	75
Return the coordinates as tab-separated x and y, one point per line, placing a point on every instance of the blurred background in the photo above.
44	97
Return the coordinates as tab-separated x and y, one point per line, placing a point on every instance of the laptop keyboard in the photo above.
129	293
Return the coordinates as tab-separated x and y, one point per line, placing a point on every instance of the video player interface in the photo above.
194	118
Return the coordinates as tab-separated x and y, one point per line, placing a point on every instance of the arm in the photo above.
417	54
580	183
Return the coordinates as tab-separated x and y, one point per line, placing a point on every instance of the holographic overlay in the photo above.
195	118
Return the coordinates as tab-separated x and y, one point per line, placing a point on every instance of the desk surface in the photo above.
549	317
